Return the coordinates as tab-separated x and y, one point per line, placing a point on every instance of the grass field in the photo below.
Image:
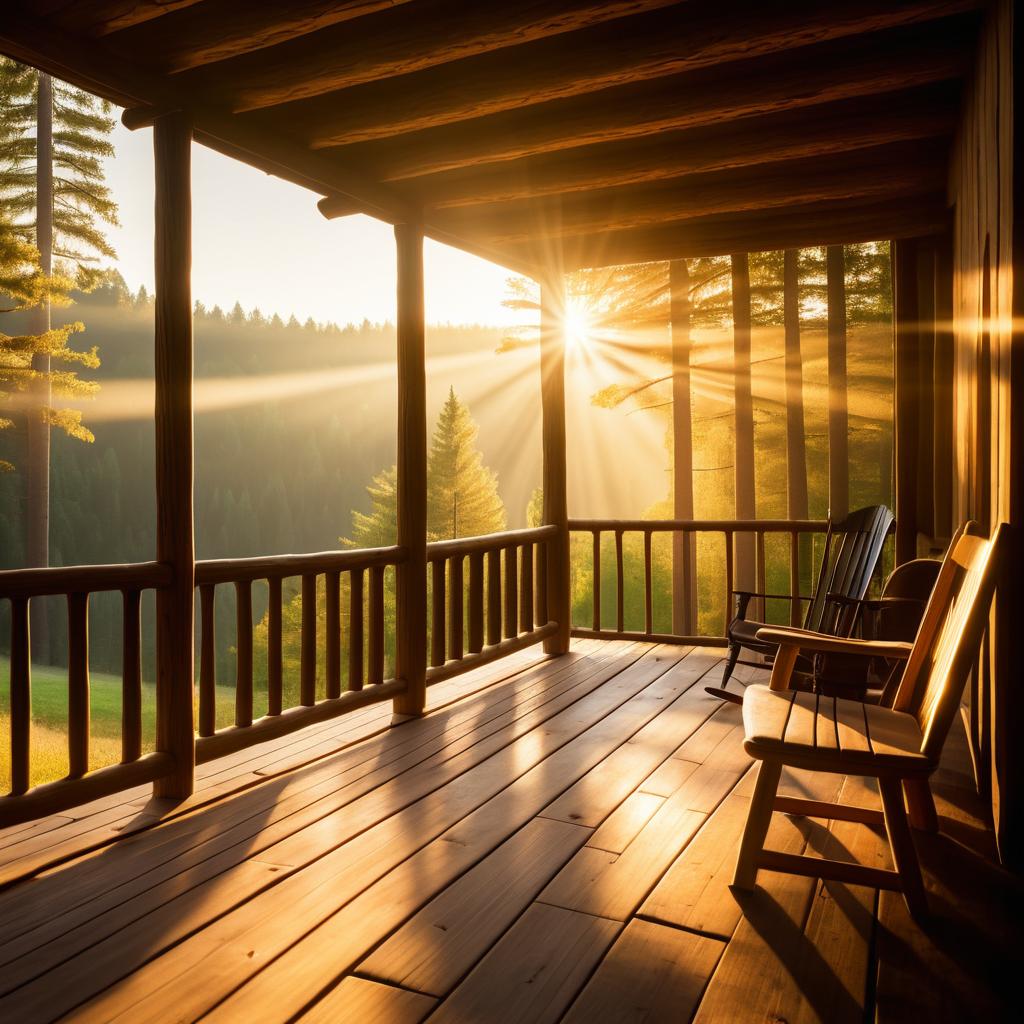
49	721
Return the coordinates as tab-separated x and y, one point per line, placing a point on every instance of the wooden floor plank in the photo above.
358	1001
534	972
651	973
247	938
433	950
78	893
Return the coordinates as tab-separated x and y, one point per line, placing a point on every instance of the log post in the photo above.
172	141
905	419
838	416
744	463
411	574
556	511
684	546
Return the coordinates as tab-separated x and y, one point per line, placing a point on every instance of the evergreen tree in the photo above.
377	528
462	493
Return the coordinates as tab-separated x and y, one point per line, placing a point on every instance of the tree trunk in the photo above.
684	580
744	462
37	464
838	418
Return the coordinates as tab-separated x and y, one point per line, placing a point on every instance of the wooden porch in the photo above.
554	840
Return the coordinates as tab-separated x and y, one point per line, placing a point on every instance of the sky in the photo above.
262	242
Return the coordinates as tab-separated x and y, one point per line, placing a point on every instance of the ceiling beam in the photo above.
840	127
98	17
645	47
820	74
818	224
875	173
211	32
399	42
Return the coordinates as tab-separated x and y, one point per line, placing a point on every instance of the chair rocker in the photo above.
899	746
852	549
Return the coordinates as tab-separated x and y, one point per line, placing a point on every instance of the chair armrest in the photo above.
808	641
772	597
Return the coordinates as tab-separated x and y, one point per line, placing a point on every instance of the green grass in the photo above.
48	742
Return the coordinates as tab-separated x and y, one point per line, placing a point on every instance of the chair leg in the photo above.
921	805
734	653
758	819
901	843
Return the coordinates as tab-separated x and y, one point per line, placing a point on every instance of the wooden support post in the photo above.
411	600
172	141
905	315
684	546
556	509
745	487
838	416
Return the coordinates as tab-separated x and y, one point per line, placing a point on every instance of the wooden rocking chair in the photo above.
900	746
852	550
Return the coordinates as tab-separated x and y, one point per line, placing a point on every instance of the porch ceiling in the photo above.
600	131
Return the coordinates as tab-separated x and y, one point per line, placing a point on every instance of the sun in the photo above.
578	325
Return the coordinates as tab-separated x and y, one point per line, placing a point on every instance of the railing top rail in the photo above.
701	525
439	549
240	570
83	579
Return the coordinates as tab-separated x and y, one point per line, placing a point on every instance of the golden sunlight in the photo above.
578	325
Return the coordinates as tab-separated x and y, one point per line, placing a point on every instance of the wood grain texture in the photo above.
172	140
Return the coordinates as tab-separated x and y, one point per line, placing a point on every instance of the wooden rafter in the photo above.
98	17
642	48
841	127
820	74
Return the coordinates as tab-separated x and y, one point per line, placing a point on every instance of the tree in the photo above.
52	192
462	493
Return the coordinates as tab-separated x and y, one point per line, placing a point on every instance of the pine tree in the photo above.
462	493
378	527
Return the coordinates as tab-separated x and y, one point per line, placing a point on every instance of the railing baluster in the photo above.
511	592
648	588
541	583
355	634
597	579
456	599
795	607
493	597
207	660
131	675
620	585
21	695
728	580
274	668
760	573
476	602
437	623
376	670
243	657
78	685
526	589
332	613
307	648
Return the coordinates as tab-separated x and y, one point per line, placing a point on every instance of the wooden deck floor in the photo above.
553	842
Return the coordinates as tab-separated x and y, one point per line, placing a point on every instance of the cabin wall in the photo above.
987	396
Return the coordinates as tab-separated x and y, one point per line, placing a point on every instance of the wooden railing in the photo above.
688	529
75	585
364	571
503	609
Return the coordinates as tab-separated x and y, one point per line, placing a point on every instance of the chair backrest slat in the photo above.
852	550
949	637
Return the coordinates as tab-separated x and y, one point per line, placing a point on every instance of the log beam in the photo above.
172	142
646	47
841	70
877	173
842	127
793	228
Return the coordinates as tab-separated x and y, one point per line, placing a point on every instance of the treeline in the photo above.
277	469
